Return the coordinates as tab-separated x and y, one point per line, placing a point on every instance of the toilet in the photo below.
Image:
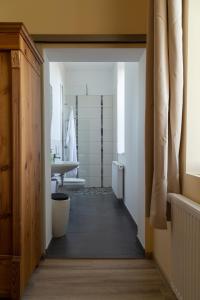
74	183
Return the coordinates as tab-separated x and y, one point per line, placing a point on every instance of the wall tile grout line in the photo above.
101	140
77	133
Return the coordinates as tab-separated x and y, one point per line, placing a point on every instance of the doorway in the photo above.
95	203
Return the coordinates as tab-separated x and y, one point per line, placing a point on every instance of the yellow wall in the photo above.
190	183
162	250
77	16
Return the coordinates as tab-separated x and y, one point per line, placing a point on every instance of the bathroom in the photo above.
85	93
97	119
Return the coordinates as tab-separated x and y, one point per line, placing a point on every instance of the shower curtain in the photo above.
71	142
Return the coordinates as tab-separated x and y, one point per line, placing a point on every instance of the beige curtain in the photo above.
164	103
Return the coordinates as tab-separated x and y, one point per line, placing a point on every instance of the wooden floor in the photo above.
86	279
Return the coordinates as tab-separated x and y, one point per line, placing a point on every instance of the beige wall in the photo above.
162	250
190	183
77	16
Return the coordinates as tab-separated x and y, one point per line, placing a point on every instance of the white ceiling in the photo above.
73	66
94	54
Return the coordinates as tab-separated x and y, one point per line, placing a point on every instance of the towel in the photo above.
71	142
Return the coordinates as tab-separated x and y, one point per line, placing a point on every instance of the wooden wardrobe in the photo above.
20	159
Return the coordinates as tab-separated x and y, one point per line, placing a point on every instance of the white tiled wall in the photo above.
107	140
86	159
89	146
89	137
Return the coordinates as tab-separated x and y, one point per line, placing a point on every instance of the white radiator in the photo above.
185	247
118	179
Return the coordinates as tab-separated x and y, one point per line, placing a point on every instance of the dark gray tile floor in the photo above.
99	227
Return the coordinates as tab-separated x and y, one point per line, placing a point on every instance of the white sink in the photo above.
62	167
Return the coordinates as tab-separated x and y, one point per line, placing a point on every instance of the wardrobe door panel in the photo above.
5	156
5	190
5	277
5	108
5	174
5	242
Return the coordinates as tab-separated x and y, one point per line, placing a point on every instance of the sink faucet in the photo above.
55	156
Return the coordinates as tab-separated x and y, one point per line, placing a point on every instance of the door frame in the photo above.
90	38
88	41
